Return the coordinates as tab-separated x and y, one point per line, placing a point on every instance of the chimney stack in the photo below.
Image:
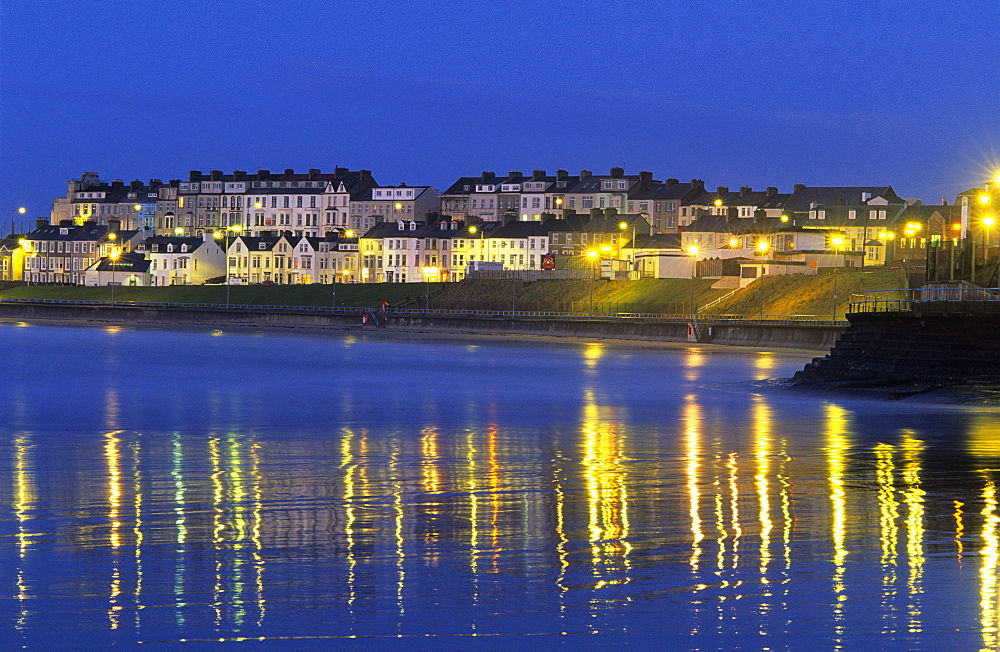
617	173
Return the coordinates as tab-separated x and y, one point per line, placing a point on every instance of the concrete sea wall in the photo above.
818	336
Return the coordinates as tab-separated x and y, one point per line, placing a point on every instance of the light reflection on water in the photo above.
166	486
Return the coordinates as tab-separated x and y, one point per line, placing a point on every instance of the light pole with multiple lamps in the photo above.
232	228
428	272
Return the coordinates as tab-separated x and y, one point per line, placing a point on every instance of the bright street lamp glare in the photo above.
592	253
693	250
837	242
988	221
733	242
22	210
623	225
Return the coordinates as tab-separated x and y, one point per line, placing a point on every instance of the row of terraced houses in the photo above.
342	226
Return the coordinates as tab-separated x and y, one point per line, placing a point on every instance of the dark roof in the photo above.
662	191
127	262
805	197
164	240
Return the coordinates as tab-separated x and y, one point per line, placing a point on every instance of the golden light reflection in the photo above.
762	424
913	497
734	507
764	364
180	524
837	426
137	527
397	504
218	525
693	360
607	493
984	435
990	555
24	500
885	477
959	530
348	466
496	486
112	456
592	354
692	419
472	487
258	501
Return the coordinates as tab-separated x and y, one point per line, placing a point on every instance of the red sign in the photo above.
548	261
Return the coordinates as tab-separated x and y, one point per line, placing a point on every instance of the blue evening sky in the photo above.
736	93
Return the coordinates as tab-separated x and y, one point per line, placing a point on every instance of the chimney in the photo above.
215	175
41	223
194	175
263	174
698	185
944	202
611	212
114	225
561	175
117	183
547	216
671	182
514	175
65	222
722	190
313	172
239	175
585	174
365	177
488	176
799	187
537	175
772	191
645	177
289	171
617	173
596	213
744	190
508	217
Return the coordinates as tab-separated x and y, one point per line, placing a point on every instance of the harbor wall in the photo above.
750	333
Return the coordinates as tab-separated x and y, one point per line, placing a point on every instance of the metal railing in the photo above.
772	320
940	300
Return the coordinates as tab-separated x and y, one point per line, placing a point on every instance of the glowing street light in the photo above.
693	252
113	257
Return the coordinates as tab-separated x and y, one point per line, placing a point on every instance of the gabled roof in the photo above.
127	262
720	224
662	191
804	197
163	240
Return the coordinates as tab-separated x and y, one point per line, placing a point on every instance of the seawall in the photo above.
785	334
897	348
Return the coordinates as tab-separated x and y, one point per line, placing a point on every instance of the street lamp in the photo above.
592	254
623	226
20	211
987	222
428	272
235	228
113	257
836	242
693	252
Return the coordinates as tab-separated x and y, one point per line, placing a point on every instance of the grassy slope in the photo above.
806	295
781	295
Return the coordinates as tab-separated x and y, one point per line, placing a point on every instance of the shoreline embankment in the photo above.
770	333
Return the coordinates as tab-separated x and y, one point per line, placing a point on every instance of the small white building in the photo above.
183	261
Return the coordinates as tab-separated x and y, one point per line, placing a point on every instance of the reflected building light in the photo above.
472	486
913	497
241	531
431	460
218	525
258	501
990	555
888	507
348	466
761	415
24	501
592	354
397	504
692	419
693	360
764	363
112	455
137	526
180	524
837	426
734	507
607	495
959	530
493	475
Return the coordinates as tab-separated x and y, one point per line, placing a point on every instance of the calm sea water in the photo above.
164	486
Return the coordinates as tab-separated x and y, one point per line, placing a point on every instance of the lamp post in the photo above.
428	272
592	254
16	211
235	228
693	252
763	246
113	257
623	226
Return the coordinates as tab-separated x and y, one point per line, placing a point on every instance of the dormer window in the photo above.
184	248
155	248
170	248
263	246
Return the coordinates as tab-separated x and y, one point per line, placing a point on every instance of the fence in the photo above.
933	300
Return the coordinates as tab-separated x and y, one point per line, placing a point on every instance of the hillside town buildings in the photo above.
308	227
